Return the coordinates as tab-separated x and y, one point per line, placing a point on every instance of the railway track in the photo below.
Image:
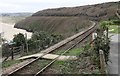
117	14
34	63
48	65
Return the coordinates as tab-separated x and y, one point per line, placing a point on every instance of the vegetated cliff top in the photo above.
99	11
68	19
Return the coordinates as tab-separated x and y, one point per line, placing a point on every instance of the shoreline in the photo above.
9	31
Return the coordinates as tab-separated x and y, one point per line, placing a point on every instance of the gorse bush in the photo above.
42	40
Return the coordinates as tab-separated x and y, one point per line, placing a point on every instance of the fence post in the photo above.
102	62
12	53
22	49
94	35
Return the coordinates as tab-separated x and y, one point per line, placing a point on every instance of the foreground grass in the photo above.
83	65
73	52
8	63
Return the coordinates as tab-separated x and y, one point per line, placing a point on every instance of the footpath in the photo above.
114	53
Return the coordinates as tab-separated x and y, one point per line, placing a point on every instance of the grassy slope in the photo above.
59	25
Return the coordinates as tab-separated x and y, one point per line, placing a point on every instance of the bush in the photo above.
42	40
19	39
102	42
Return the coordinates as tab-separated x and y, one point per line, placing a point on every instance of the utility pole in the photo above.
26	42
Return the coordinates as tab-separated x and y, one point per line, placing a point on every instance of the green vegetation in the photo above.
42	40
66	26
39	41
113	25
59	63
114	29
102	42
8	63
19	40
73	52
83	65
40	64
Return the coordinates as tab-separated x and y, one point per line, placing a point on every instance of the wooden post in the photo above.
23	48
12	54
102	62
94	35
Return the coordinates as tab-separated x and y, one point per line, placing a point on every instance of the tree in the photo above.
19	39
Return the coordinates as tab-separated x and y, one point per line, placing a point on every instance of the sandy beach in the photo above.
8	31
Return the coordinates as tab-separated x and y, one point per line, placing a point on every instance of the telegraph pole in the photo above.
26	42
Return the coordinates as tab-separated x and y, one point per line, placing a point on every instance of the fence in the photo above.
103	67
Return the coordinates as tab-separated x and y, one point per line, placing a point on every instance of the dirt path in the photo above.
114	48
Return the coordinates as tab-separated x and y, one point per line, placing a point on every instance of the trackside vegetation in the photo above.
113	25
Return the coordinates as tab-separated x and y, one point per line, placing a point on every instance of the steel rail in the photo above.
54	47
48	65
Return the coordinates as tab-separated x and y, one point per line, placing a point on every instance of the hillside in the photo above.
68	19
97	11
58	25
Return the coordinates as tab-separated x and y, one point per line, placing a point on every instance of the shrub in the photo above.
102	42
19	39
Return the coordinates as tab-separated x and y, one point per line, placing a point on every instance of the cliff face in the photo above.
68	20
